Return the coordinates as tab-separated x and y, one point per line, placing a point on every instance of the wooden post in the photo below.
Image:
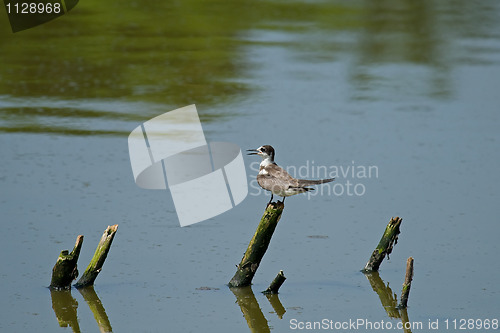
387	242
95	265
65	270
276	284
407	284
258	246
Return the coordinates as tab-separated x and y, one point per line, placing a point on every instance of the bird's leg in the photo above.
283	201
270	199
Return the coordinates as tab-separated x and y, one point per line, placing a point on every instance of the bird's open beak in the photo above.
254	152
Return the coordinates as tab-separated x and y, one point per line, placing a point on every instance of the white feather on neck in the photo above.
265	162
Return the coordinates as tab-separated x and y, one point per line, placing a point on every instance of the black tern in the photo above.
275	179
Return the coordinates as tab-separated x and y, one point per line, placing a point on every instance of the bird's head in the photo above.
266	152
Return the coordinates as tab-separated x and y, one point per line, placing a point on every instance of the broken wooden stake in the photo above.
95	265
257	246
275	284
384	247
405	293
65	269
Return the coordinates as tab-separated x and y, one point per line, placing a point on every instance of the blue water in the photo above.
418	106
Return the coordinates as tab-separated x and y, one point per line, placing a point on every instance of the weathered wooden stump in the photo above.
275	284
385	246
100	254
257	246
65	269
405	293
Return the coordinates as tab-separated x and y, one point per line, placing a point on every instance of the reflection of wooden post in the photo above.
251	310
64	306
97	261
405	320
65	270
258	246
95	305
275	284
387	242
276	304
407	284
384	292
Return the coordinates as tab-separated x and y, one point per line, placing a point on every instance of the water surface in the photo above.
409	88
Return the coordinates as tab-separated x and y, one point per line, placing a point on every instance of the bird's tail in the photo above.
306	182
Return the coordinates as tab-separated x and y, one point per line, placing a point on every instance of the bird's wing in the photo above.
276	179
306	182
280	173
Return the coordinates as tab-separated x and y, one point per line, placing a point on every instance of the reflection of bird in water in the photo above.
273	178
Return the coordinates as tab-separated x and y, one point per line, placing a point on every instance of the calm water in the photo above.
407	88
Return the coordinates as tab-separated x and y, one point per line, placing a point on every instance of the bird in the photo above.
275	179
